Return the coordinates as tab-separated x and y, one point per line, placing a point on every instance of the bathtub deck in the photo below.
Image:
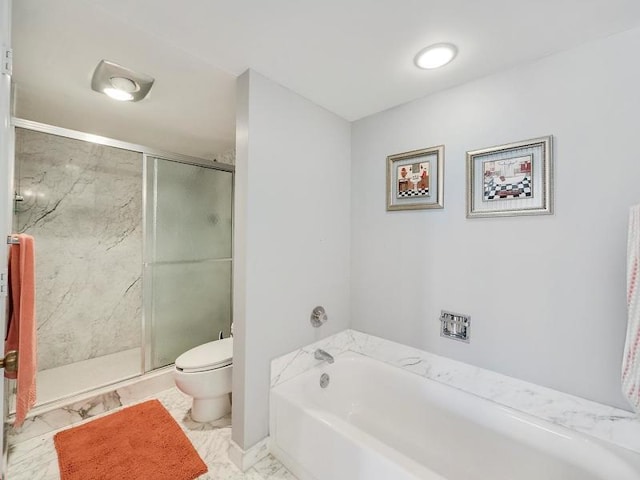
36	459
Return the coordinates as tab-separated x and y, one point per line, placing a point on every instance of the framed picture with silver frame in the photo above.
509	180
415	179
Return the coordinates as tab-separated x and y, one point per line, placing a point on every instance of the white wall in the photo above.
546	294
292	212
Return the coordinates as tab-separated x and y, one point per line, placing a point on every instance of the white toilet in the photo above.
204	372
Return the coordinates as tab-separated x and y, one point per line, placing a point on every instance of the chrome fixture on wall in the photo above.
455	326
318	317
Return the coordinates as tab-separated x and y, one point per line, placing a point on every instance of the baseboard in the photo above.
245	459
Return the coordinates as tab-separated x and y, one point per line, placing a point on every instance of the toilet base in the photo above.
209	409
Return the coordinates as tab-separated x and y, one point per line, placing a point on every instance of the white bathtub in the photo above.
378	422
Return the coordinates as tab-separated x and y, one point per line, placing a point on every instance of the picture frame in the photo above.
415	179
511	180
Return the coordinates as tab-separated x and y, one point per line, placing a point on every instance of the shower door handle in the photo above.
10	362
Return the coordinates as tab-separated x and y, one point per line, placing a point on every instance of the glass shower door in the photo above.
188	258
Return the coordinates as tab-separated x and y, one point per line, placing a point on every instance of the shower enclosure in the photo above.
133	255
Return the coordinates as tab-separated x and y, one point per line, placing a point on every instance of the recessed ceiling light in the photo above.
435	56
118	94
124	84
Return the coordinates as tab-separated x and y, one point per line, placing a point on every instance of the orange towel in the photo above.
21	331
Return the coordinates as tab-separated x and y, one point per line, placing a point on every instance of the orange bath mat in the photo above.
142	442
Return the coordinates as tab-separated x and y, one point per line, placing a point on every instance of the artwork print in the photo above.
511	179
413	180
508	178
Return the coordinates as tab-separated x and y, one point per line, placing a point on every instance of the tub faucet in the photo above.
322	355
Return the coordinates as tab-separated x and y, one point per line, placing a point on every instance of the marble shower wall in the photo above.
83	205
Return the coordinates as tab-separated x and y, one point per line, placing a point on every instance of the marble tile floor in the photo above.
36	459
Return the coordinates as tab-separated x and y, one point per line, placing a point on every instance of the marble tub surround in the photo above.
83	205
36	459
72	411
299	361
604	422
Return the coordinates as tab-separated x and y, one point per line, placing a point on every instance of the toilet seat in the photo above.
209	356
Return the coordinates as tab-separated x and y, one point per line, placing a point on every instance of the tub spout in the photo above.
322	355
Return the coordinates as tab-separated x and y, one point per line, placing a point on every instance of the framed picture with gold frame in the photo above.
415	179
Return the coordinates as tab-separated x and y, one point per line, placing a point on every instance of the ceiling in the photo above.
353	57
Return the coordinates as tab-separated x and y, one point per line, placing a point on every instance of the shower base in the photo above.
68	380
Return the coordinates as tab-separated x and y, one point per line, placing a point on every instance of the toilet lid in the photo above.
208	356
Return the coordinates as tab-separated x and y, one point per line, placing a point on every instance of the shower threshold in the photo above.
69	380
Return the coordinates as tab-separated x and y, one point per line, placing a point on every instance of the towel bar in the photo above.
12	240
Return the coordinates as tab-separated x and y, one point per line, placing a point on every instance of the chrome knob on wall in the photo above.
318	317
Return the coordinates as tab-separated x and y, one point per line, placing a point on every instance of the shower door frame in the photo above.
6	206
147	154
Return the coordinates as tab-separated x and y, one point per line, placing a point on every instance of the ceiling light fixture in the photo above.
120	83
435	56
117	94
121	89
